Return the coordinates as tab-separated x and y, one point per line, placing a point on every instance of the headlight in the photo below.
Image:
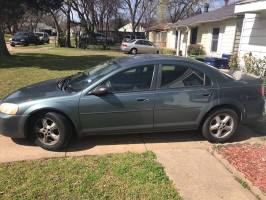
22	40
9	108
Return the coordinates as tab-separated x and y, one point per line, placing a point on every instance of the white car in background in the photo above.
139	46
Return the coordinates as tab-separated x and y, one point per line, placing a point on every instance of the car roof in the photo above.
132	60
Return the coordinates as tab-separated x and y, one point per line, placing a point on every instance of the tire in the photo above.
55	138
134	51
218	132
12	45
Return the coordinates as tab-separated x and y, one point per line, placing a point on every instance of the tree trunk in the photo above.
58	29
3	49
68	40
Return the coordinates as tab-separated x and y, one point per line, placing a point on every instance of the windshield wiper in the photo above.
61	83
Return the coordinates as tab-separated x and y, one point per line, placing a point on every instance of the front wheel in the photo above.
220	125
51	131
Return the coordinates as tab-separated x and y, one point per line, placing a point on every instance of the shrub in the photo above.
254	65
234	62
196	49
167	51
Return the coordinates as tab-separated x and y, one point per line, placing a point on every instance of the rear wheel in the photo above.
220	125
134	51
51	131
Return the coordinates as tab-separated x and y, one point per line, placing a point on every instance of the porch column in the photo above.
178	42
188	42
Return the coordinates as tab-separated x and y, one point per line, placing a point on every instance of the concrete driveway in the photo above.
96	145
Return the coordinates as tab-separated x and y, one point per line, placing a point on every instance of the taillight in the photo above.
124	45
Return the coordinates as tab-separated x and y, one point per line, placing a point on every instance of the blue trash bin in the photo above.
212	61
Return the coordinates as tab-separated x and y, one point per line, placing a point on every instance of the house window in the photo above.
215	38
194	33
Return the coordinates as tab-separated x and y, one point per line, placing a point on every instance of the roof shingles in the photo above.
220	14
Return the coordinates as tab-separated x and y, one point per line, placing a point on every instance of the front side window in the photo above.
178	76
147	43
215	39
134	79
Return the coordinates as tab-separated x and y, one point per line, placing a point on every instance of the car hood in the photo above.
42	90
19	37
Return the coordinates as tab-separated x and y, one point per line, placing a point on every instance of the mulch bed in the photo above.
248	159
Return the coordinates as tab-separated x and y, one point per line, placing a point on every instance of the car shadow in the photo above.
79	144
243	134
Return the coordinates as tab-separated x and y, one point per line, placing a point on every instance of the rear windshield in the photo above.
131	41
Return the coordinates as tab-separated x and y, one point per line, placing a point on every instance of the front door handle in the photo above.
142	99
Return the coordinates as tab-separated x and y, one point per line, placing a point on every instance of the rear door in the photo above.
183	93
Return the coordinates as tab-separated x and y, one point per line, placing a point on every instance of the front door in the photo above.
127	107
182	94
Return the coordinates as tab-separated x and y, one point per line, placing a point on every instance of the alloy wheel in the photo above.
221	125
47	131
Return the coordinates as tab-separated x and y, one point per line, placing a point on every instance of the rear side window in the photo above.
178	76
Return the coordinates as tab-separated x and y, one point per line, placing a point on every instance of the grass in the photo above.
243	183
119	176
7	37
32	64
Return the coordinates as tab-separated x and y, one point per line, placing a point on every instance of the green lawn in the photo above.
119	176
7	37
32	64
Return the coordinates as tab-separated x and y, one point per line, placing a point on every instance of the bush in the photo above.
167	51
196	49
254	65
62	41
234	62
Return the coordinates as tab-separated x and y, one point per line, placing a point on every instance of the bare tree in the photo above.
181	9
137	9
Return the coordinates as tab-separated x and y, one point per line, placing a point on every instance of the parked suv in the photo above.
24	38
43	37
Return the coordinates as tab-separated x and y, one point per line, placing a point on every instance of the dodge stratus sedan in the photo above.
140	94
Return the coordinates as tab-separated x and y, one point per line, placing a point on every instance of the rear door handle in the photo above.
142	99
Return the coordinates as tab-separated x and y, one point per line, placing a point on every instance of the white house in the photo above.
218	31
128	28
253	36
159	35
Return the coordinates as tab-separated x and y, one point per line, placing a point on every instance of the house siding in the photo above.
226	37
253	38
171	39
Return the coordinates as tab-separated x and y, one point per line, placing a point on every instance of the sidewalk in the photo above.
198	175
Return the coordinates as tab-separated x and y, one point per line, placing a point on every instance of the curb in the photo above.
253	189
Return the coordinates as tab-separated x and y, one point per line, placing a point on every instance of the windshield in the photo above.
83	80
20	34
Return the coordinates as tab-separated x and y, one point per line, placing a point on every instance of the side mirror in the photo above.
99	91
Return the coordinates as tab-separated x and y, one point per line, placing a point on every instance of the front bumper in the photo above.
18	42
12	126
